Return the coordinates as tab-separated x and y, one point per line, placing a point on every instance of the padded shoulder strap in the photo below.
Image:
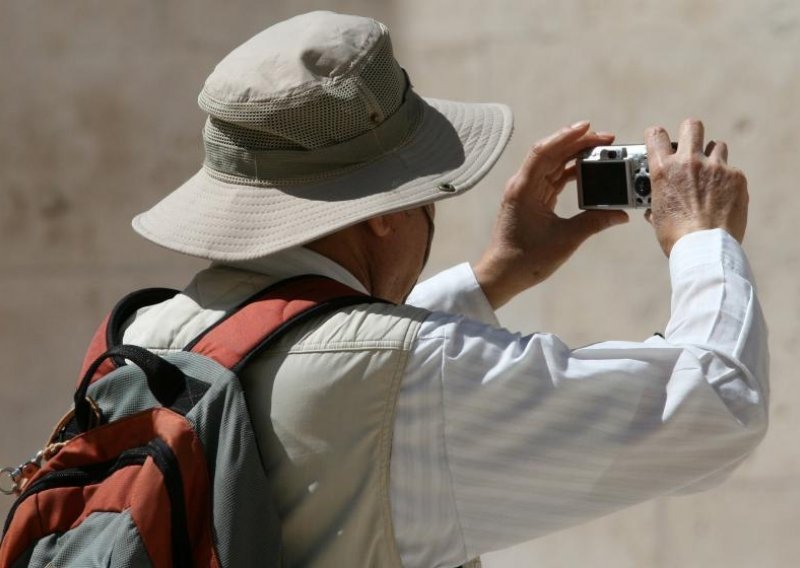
262	319
109	333
244	332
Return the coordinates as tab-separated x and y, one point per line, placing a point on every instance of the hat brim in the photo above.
454	146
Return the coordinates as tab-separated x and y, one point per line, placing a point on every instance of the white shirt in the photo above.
500	438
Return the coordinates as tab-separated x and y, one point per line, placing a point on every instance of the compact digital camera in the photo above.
614	177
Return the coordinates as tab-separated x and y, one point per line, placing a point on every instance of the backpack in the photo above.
157	463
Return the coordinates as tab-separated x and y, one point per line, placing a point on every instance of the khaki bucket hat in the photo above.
313	126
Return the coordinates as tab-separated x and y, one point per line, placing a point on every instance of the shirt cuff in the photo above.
703	248
455	291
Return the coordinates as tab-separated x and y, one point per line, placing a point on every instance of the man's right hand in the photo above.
693	189
530	241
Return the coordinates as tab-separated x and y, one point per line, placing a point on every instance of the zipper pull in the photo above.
14	479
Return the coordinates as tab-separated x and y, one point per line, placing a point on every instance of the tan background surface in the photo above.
98	120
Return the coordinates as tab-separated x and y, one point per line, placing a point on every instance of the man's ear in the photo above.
381	225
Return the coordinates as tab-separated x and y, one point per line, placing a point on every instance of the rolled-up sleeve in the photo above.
501	438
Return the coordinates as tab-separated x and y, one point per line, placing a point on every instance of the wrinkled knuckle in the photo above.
513	184
537	149
657	171
736	176
715	169
516	187
653	131
693	164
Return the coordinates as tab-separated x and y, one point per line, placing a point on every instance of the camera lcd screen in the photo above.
604	183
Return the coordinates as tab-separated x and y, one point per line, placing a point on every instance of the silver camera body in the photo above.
614	177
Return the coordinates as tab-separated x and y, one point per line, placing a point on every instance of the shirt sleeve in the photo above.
500	438
454	291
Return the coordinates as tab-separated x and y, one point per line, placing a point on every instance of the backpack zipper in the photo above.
164	459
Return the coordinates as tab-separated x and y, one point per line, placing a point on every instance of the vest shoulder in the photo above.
374	326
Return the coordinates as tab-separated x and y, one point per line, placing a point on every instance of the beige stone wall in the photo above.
98	119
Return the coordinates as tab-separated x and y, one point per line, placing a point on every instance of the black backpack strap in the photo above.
109	333
165	381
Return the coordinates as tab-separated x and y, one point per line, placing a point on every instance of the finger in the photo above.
558	183
556	141
553	149
560	148
588	223
606	136
590	140
658	143
690	137
719	152
569	174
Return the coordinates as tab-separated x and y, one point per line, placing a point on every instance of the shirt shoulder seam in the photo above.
443	340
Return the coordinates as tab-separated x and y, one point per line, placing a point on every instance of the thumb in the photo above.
588	223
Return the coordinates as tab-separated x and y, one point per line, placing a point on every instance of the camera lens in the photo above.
641	185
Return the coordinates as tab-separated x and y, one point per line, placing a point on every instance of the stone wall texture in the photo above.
98	120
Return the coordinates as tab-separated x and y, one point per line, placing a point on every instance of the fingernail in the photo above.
581	124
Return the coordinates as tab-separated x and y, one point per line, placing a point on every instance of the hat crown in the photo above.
313	127
309	82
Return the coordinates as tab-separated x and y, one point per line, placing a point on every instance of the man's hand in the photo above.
530	241
693	190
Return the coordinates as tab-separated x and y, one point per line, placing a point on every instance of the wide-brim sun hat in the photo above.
313	126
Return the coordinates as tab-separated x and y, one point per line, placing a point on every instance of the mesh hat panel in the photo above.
326	114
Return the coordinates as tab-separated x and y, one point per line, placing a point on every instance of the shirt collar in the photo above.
296	261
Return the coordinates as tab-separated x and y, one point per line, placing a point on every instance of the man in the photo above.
423	434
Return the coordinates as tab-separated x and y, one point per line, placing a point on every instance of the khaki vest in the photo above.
322	404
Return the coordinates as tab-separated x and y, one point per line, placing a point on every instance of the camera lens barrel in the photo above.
641	185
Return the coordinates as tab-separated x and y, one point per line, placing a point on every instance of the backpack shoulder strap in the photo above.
243	332
262	319
109	333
